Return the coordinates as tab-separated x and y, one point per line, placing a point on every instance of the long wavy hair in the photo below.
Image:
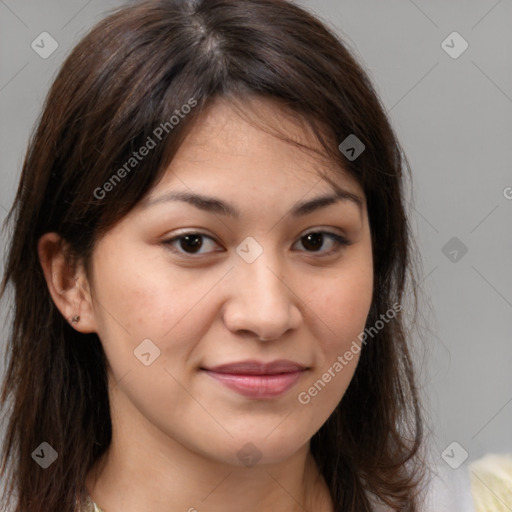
126	77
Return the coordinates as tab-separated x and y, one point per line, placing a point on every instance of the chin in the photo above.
261	448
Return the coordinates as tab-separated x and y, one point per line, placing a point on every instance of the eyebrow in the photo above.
216	205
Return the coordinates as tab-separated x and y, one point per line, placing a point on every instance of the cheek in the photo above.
139	294
342	306
139	299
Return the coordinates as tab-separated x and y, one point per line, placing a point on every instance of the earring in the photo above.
75	319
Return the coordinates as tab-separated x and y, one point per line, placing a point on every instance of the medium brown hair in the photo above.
124	79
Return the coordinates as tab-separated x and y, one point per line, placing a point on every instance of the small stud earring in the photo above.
75	319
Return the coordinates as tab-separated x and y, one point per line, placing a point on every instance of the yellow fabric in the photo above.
491	483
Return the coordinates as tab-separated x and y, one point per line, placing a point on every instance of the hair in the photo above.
124	79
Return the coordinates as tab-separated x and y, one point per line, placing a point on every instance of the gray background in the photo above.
454	119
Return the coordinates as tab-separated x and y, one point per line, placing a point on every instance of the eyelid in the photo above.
325	230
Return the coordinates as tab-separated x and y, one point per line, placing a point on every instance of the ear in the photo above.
67	282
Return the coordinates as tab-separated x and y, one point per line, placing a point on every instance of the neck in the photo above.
145	470
118	482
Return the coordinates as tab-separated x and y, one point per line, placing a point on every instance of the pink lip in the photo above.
255	379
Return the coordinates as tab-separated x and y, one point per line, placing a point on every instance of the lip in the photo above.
257	379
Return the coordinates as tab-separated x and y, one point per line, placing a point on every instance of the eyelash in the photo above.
339	241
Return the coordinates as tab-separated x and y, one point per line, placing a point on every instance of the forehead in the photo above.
256	141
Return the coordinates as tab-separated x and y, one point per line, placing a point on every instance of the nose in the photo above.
261	301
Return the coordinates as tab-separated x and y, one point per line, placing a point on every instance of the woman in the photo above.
209	257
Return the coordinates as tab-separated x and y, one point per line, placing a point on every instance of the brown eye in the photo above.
314	241
190	243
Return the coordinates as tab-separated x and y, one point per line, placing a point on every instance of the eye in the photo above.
189	243
314	241
192	242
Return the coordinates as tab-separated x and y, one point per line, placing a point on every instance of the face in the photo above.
224	319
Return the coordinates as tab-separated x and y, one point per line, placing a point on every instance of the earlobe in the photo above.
83	319
66	283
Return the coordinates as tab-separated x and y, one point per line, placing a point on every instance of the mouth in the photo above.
256	379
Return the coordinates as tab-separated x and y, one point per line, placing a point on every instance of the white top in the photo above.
449	490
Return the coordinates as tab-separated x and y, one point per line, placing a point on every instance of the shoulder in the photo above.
382	507
85	504
446	490
449	490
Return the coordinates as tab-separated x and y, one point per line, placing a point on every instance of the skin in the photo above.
177	431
